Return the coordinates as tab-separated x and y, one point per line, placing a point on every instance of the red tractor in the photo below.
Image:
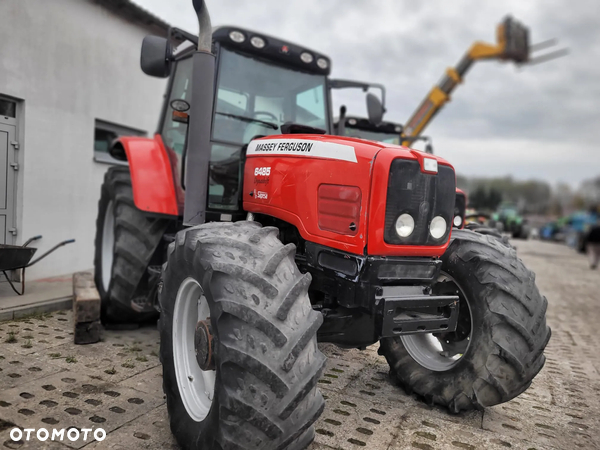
254	234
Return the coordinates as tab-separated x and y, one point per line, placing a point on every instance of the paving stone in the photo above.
17	369
26	336
150	432
425	433
70	399
349	422
149	381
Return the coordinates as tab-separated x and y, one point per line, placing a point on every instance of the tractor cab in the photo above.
261	85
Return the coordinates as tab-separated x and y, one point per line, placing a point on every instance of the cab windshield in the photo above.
254	98
388	138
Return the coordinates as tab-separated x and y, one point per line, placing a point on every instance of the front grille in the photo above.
421	195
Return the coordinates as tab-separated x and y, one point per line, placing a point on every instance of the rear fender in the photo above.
151	173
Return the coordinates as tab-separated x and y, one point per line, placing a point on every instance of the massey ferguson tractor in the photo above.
255	235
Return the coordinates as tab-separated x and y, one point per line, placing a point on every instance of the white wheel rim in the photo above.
427	350
108	244
196	386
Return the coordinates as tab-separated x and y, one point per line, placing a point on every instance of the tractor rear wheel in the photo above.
126	239
238	341
497	348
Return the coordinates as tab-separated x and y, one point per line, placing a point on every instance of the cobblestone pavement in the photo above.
47	381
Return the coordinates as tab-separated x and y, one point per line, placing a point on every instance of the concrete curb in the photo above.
44	307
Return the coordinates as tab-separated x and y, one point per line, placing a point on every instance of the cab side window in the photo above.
173	133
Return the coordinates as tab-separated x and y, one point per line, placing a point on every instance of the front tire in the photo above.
498	347
266	360
489	231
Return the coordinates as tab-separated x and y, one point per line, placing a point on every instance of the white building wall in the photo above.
71	61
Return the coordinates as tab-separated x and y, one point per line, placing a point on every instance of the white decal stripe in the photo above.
302	147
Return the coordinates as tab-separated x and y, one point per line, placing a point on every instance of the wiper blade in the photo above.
250	119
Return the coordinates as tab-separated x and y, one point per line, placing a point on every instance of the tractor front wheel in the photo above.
497	348
238	341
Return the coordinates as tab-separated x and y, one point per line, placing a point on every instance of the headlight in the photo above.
430	165
405	225
457	221
322	63
306	57
437	228
237	36
258	42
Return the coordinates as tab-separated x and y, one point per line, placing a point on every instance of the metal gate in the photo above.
8	179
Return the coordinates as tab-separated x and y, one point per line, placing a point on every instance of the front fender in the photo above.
151	173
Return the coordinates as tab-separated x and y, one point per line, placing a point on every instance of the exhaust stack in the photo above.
198	150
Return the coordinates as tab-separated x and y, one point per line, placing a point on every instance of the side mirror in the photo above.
374	109
341	124
156	56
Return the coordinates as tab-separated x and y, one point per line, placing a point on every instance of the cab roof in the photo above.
274	49
260	45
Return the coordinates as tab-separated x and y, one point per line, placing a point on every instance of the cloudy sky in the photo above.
539	121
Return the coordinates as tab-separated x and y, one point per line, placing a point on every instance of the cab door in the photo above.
173	133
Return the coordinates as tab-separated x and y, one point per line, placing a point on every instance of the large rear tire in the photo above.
498	347
262	393
126	239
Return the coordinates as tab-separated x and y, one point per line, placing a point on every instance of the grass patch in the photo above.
27	344
28	336
141	359
154	353
71	359
35	316
134	349
12	338
54	355
110	371
128	364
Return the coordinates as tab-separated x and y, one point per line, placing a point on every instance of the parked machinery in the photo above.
508	219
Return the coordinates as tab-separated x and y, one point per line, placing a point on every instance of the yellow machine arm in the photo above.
512	45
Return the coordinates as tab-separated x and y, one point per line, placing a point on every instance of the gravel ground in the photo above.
46	382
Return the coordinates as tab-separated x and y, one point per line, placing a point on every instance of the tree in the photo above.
494	199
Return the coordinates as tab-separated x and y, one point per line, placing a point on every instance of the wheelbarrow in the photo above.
13	257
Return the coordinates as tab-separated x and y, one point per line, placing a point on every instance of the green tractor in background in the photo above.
508	219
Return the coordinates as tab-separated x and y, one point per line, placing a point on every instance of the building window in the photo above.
8	108
104	135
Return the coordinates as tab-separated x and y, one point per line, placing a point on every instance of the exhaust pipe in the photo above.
200	120
205	35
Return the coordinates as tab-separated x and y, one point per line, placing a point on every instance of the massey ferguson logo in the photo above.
302	148
284	147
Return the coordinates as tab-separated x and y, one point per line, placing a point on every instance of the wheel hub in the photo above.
440	352
203	340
